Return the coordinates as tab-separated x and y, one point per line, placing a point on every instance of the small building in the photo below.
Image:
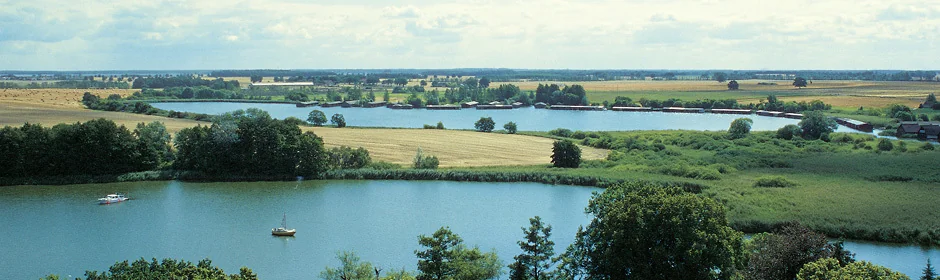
442	107
375	104
732	111
769	113
400	106
793	116
632	109
332	104
470	104
307	104
495	103
683	110
927	105
540	105
923	130
350	103
577	108
493	107
517	104
855	124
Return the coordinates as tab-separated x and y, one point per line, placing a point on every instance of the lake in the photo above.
528	118
61	229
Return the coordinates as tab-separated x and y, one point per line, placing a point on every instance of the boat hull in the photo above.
283	232
109	201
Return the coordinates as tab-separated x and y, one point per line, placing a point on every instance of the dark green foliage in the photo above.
352	268
561	132
510	127
446	257
95	147
773	182
537	250
168	269
349	158
484	82
316	117
485	124
566	154
814	124
183	81
424	162
885	145
338	120
296	96
788	131
553	95
720	77
639	231
740	127
927	146
782	254
799	82
440	125
252	143
415	101
733	85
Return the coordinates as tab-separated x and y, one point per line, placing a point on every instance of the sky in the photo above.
543	34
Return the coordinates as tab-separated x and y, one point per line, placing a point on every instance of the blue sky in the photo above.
644	34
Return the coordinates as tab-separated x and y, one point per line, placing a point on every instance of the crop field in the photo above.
452	147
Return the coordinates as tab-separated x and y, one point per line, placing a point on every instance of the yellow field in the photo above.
454	148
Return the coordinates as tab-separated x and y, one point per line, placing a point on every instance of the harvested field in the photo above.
454	148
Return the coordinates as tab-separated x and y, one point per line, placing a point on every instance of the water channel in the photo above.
528	119
61	229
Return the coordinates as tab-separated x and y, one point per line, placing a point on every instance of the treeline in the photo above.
70	84
553	95
771	104
198	92
183	81
91	148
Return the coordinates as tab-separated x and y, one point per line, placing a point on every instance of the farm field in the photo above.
454	148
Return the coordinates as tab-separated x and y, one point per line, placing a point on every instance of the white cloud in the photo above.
123	34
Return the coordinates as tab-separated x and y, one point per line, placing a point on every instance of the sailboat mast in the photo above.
284	221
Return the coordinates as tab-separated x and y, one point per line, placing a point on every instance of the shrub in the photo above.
440	125
788	131
425	162
740	127
561	132
382	165
885	145
579	135
510	127
773	182
485	124
927	146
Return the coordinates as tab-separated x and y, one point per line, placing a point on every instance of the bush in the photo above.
485	124
740	127
885	145
788	131
927	146
510	127
773	182
561	132
424	162
382	165
440	125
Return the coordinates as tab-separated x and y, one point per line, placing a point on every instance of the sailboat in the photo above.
283	230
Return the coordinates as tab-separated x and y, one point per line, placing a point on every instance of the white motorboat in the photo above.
112	198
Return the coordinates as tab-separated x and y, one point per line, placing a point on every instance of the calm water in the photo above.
61	230
530	119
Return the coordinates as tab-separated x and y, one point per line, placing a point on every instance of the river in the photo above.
528	119
61	229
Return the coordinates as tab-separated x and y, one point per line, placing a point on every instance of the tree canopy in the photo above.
815	124
651	232
444	256
168	269
733	85
799	82
316	117
740	127
535	261
485	124
566	154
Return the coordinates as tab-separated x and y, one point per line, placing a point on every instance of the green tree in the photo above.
316	117
401	81
485	124
348	158
814	124
352	268
256	78
566	154
929	273
782	254
510	127
471	82
153	145
740	127
338	120
484	82
424	83
830	269
168	269
446	257
931	98
733	85
788	131
642	231
422	161
721	77
537	250
799	82
386	97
